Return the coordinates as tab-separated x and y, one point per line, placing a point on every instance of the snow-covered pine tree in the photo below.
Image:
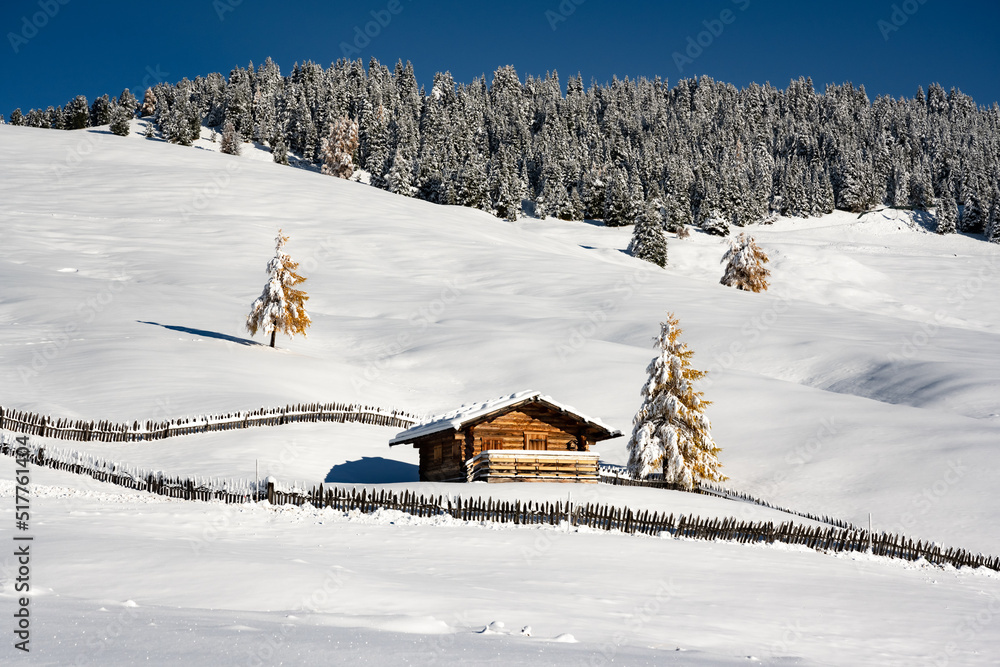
715	223
100	111
992	227
946	214
621	201
127	100
338	148
505	186
77	113
973	213
120	117
279	149
399	180
232	142
745	268
671	431
280	307
921	191
648	241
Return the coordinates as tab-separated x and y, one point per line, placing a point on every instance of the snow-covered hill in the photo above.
865	380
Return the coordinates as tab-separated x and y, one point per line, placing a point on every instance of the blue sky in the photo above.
55	49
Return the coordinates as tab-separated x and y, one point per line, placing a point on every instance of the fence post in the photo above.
270	492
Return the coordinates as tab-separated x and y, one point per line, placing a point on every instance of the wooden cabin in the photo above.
523	437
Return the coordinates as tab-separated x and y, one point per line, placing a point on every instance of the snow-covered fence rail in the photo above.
606	517
594	516
80	430
619	476
103	470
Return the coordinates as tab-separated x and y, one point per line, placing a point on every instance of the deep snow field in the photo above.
866	380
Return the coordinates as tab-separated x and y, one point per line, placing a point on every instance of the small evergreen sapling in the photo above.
280	307
648	240
671	431
745	268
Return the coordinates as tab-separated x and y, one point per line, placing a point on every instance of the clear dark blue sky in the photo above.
97	47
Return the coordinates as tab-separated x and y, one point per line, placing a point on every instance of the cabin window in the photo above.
492	443
436	454
535	441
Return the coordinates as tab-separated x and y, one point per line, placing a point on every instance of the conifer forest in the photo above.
700	152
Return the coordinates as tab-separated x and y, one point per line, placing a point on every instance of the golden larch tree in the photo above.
280	307
745	268
339	147
671	432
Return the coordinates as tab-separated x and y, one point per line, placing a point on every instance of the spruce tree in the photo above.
399	180
77	113
232	142
973	214
279	150
100	111
992	226
946	214
671	432
120	117
621	203
648	240
280	307
745	268
505	186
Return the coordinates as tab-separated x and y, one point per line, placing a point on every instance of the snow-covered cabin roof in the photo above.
458	419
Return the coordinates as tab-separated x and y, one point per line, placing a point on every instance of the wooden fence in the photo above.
30	423
598	517
617	476
605	517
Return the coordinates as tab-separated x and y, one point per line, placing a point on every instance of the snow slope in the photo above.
864	381
140	578
859	383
